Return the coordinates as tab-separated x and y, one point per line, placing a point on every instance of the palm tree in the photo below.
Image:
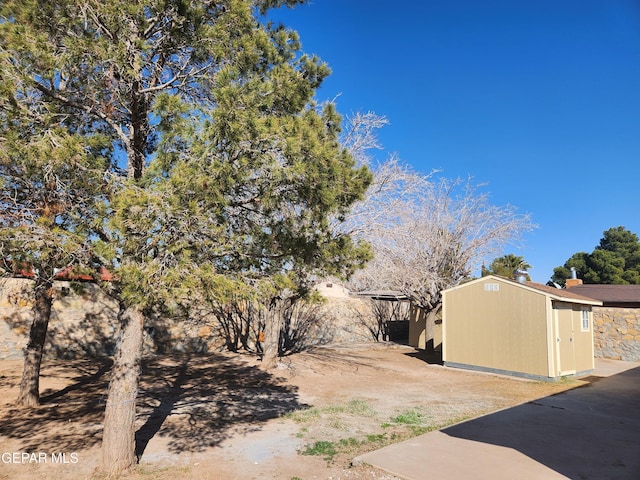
506	265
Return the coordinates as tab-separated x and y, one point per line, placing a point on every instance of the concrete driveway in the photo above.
588	433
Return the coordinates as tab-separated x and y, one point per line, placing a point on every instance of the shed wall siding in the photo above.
565	346
583	340
575	345
503	330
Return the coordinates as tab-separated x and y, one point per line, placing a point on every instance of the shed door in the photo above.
565	339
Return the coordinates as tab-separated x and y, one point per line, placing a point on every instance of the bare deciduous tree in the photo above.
427	234
436	240
395	185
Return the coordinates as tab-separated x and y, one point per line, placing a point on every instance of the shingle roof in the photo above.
609	293
558	292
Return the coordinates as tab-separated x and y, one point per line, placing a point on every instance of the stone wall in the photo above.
616	333
83	319
84	323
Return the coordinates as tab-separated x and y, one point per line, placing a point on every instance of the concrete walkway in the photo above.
588	433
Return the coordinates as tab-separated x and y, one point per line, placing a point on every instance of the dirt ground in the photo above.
220	417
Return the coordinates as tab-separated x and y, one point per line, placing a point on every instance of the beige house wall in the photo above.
418	329
332	290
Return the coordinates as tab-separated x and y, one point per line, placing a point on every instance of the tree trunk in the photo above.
29	395
272	326
118	440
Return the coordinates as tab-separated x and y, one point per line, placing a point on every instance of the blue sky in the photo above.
539	100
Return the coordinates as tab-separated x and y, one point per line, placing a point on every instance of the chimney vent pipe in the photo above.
520	275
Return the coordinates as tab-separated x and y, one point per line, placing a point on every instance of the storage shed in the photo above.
519	328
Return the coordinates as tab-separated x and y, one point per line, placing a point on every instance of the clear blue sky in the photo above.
538	99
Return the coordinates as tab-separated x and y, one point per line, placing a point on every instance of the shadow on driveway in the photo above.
591	432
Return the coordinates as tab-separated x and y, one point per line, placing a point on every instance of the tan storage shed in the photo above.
525	329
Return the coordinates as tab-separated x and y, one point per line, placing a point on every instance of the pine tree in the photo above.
50	190
616	260
225	170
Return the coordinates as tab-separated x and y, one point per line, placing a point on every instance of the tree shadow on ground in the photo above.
194	401
68	419
197	402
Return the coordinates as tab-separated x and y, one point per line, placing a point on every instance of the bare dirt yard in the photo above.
220	416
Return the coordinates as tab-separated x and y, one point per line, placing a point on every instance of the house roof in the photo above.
562	295
383	294
67	274
609	293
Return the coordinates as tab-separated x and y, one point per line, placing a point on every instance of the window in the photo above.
491	287
585	320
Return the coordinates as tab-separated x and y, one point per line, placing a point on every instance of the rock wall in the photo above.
84	322
616	333
83	319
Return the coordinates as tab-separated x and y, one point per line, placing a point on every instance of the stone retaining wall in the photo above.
616	333
84	323
83	320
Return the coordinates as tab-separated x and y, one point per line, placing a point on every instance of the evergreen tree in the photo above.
616	260
226	171
50	190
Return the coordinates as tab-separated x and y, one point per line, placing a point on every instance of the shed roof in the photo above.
609	293
560	294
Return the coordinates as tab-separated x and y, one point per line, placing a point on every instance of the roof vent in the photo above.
520	275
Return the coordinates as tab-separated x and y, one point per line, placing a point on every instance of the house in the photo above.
616	324
330	289
519	328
